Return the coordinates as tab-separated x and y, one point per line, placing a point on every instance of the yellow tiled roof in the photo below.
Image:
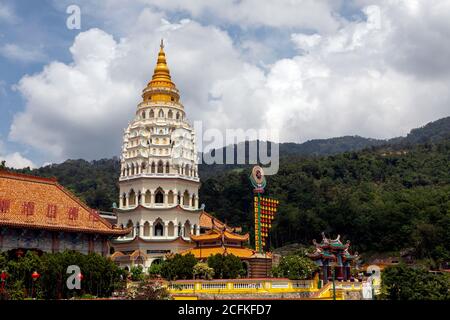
200	253
217	234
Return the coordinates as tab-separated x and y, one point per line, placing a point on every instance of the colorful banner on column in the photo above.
265	212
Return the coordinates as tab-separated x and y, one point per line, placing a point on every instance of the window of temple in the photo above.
167	168
146	229
139	198
193	200
180	229
186	198
178	115
171	197
187	228
148	197
158	229
137	228
152	114
143	114
171	229
161	113
132	169
160	166
170	114
132	198
143	167
159	196
186	170
124	200
130	225
153	167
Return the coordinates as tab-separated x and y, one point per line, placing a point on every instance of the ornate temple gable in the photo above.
41	203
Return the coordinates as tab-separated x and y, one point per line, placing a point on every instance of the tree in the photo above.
294	267
203	271
178	267
100	275
407	283
2	164
137	273
154	270
226	266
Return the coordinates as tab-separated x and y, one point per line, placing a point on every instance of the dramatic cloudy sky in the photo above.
309	68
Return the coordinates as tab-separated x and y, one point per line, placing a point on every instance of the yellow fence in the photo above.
260	286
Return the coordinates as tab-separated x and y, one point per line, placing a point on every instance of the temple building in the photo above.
159	186
159	176
221	239
331	255
40	215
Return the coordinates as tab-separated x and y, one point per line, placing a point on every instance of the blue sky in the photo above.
310	69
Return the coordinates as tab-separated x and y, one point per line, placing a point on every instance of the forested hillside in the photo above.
379	199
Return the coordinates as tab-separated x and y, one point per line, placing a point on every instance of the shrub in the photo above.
203	271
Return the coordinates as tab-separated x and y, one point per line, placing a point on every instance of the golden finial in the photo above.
162	44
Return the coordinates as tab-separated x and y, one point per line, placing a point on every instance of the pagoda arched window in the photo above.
132	198
146	229
170	114
152	114
153	167
160	167
187	228
167	167
161	114
178	115
159	196
158	229
186	198
148	197
124	199
171	229
171	197
143	114
130	225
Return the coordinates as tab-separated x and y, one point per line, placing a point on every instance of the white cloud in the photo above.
14	52
376	77
14	159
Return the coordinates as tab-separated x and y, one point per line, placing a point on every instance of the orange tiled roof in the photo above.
215	234
41	203
201	253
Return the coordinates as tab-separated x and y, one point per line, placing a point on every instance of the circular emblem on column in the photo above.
258	179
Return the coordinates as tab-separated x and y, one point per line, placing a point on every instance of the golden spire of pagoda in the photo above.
161	87
161	75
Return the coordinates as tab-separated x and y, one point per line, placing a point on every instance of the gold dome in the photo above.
156	89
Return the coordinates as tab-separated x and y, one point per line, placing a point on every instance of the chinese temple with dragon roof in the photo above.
221	239
332	254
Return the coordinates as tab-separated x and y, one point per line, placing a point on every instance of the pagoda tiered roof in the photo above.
328	249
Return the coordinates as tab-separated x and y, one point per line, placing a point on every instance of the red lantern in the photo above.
35	275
